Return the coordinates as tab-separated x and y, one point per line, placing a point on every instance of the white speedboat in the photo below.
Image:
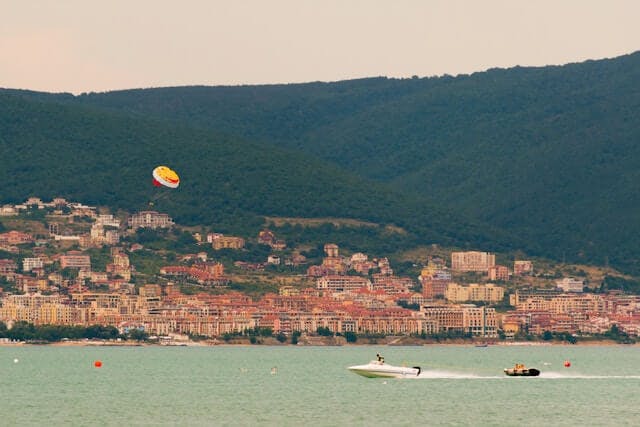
379	369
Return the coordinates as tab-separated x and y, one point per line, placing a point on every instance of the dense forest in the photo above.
227	184
543	159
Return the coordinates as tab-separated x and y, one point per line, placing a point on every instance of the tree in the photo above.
351	337
324	331
22	331
137	335
69	273
264	332
408	306
614	331
101	332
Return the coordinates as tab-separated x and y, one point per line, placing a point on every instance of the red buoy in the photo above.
97	364
567	364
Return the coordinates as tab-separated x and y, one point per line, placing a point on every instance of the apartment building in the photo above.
478	321
522	267
564	304
7	267
434	282
28	308
15	238
521	295
474	292
29	264
108	220
227	242
75	259
334	283
498	272
472	261
570	284
150	219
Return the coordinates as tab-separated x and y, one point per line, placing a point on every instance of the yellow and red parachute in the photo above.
165	176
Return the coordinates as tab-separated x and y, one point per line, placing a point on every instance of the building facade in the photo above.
523	267
333	283
29	264
570	284
474	292
75	259
150	219
498	272
472	261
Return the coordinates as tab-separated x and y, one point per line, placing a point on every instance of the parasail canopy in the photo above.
164	176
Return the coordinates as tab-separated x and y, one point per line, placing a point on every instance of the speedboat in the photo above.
521	371
379	369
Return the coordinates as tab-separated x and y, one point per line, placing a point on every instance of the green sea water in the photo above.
238	386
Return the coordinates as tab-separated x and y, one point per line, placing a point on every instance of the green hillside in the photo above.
49	149
548	153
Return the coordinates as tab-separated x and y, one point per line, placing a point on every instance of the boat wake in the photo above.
441	374
438	374
564	376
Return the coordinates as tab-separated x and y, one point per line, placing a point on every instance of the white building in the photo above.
8	210
359	257
29	264
570	284
108	220
273	259
150	219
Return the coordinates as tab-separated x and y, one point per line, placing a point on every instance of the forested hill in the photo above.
49	149
548	154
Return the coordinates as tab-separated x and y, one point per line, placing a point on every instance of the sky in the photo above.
93	46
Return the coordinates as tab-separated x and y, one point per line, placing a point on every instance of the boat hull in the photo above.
374	370
530	372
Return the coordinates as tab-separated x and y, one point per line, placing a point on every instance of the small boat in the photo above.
379	369
521	371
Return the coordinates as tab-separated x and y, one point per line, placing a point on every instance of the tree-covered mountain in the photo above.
548	154
50	149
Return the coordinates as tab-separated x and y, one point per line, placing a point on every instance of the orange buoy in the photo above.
97	364
567	364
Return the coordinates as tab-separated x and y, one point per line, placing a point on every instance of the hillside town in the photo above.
49	275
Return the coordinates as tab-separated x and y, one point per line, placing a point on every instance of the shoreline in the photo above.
277	344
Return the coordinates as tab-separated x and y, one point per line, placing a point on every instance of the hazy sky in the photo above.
96	45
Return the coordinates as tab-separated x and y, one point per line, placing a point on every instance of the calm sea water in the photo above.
236	386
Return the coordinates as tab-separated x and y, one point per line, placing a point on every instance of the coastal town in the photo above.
50	274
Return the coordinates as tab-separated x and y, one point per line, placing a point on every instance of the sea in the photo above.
461	385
